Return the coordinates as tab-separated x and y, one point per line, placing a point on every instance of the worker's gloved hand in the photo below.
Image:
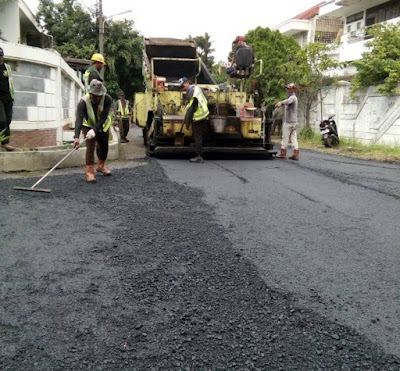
90	134
76	142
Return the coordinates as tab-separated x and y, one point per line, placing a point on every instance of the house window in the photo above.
354	17
382	12
349	28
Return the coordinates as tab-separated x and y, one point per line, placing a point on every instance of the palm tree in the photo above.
204	48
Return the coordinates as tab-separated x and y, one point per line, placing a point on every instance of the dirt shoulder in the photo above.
374	153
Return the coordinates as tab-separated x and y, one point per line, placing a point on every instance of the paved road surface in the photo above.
243	265
325	229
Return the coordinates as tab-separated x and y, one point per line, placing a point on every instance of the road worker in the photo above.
289	133
196	115
93	118
123	112
6	102
93	72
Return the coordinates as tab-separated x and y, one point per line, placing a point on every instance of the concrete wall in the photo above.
45	158
47	91
369	117
9	21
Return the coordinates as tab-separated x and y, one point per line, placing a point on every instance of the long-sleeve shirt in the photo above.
81	114
291	108
94	74
5	94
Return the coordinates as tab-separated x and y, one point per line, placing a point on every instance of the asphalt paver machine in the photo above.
233	125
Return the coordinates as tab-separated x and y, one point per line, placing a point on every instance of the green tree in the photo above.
219	74
279	66
73	29
204	48
124	50
75	34
313	62
381	64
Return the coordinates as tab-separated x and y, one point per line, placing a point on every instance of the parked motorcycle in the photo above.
329	133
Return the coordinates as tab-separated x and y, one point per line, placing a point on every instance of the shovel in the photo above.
46	190
180	137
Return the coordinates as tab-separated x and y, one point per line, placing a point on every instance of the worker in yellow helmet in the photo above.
93	72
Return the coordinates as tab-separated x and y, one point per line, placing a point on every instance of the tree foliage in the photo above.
284	61
278	55
204	48
124	50
75	34
73	29
313	62
381	64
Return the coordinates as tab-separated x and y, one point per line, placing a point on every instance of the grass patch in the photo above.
310	139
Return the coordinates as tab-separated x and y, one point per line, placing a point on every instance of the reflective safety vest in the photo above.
124	111
86	77
10	80
91	121
202	111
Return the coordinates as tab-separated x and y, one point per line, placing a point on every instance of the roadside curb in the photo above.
45	157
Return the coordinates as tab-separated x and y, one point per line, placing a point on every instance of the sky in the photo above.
222	20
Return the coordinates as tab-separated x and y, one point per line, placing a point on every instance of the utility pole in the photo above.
101	32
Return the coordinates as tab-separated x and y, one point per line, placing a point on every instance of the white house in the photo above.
369	116
357	15
46	88
309	26
341	20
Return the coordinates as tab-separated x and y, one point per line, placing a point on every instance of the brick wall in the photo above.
33	138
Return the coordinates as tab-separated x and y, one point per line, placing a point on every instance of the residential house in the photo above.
357	16
309	26
369	116
46	88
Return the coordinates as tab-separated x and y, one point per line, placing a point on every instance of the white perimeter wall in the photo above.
369	117
47	90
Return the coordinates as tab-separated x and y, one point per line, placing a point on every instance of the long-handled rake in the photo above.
33	188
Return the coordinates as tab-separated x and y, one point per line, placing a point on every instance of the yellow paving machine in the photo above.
233	125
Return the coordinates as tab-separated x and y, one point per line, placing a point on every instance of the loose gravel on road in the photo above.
135	273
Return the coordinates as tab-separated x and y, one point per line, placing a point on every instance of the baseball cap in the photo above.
1	52
238	38
96	87
290	86
182	80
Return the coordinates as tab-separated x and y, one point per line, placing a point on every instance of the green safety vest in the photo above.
123	110
91	121
202	111
86	77
10	79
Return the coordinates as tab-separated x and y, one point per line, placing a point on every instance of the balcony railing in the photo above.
355	36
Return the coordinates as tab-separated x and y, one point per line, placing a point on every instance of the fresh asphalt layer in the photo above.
223	265
325	229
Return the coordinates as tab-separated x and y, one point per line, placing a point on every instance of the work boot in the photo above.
198	159
124	141
101	168
295	155
8	147
90	177
282	154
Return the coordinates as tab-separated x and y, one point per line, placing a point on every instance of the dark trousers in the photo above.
198	127
99	142
5	118
123	125
277	124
